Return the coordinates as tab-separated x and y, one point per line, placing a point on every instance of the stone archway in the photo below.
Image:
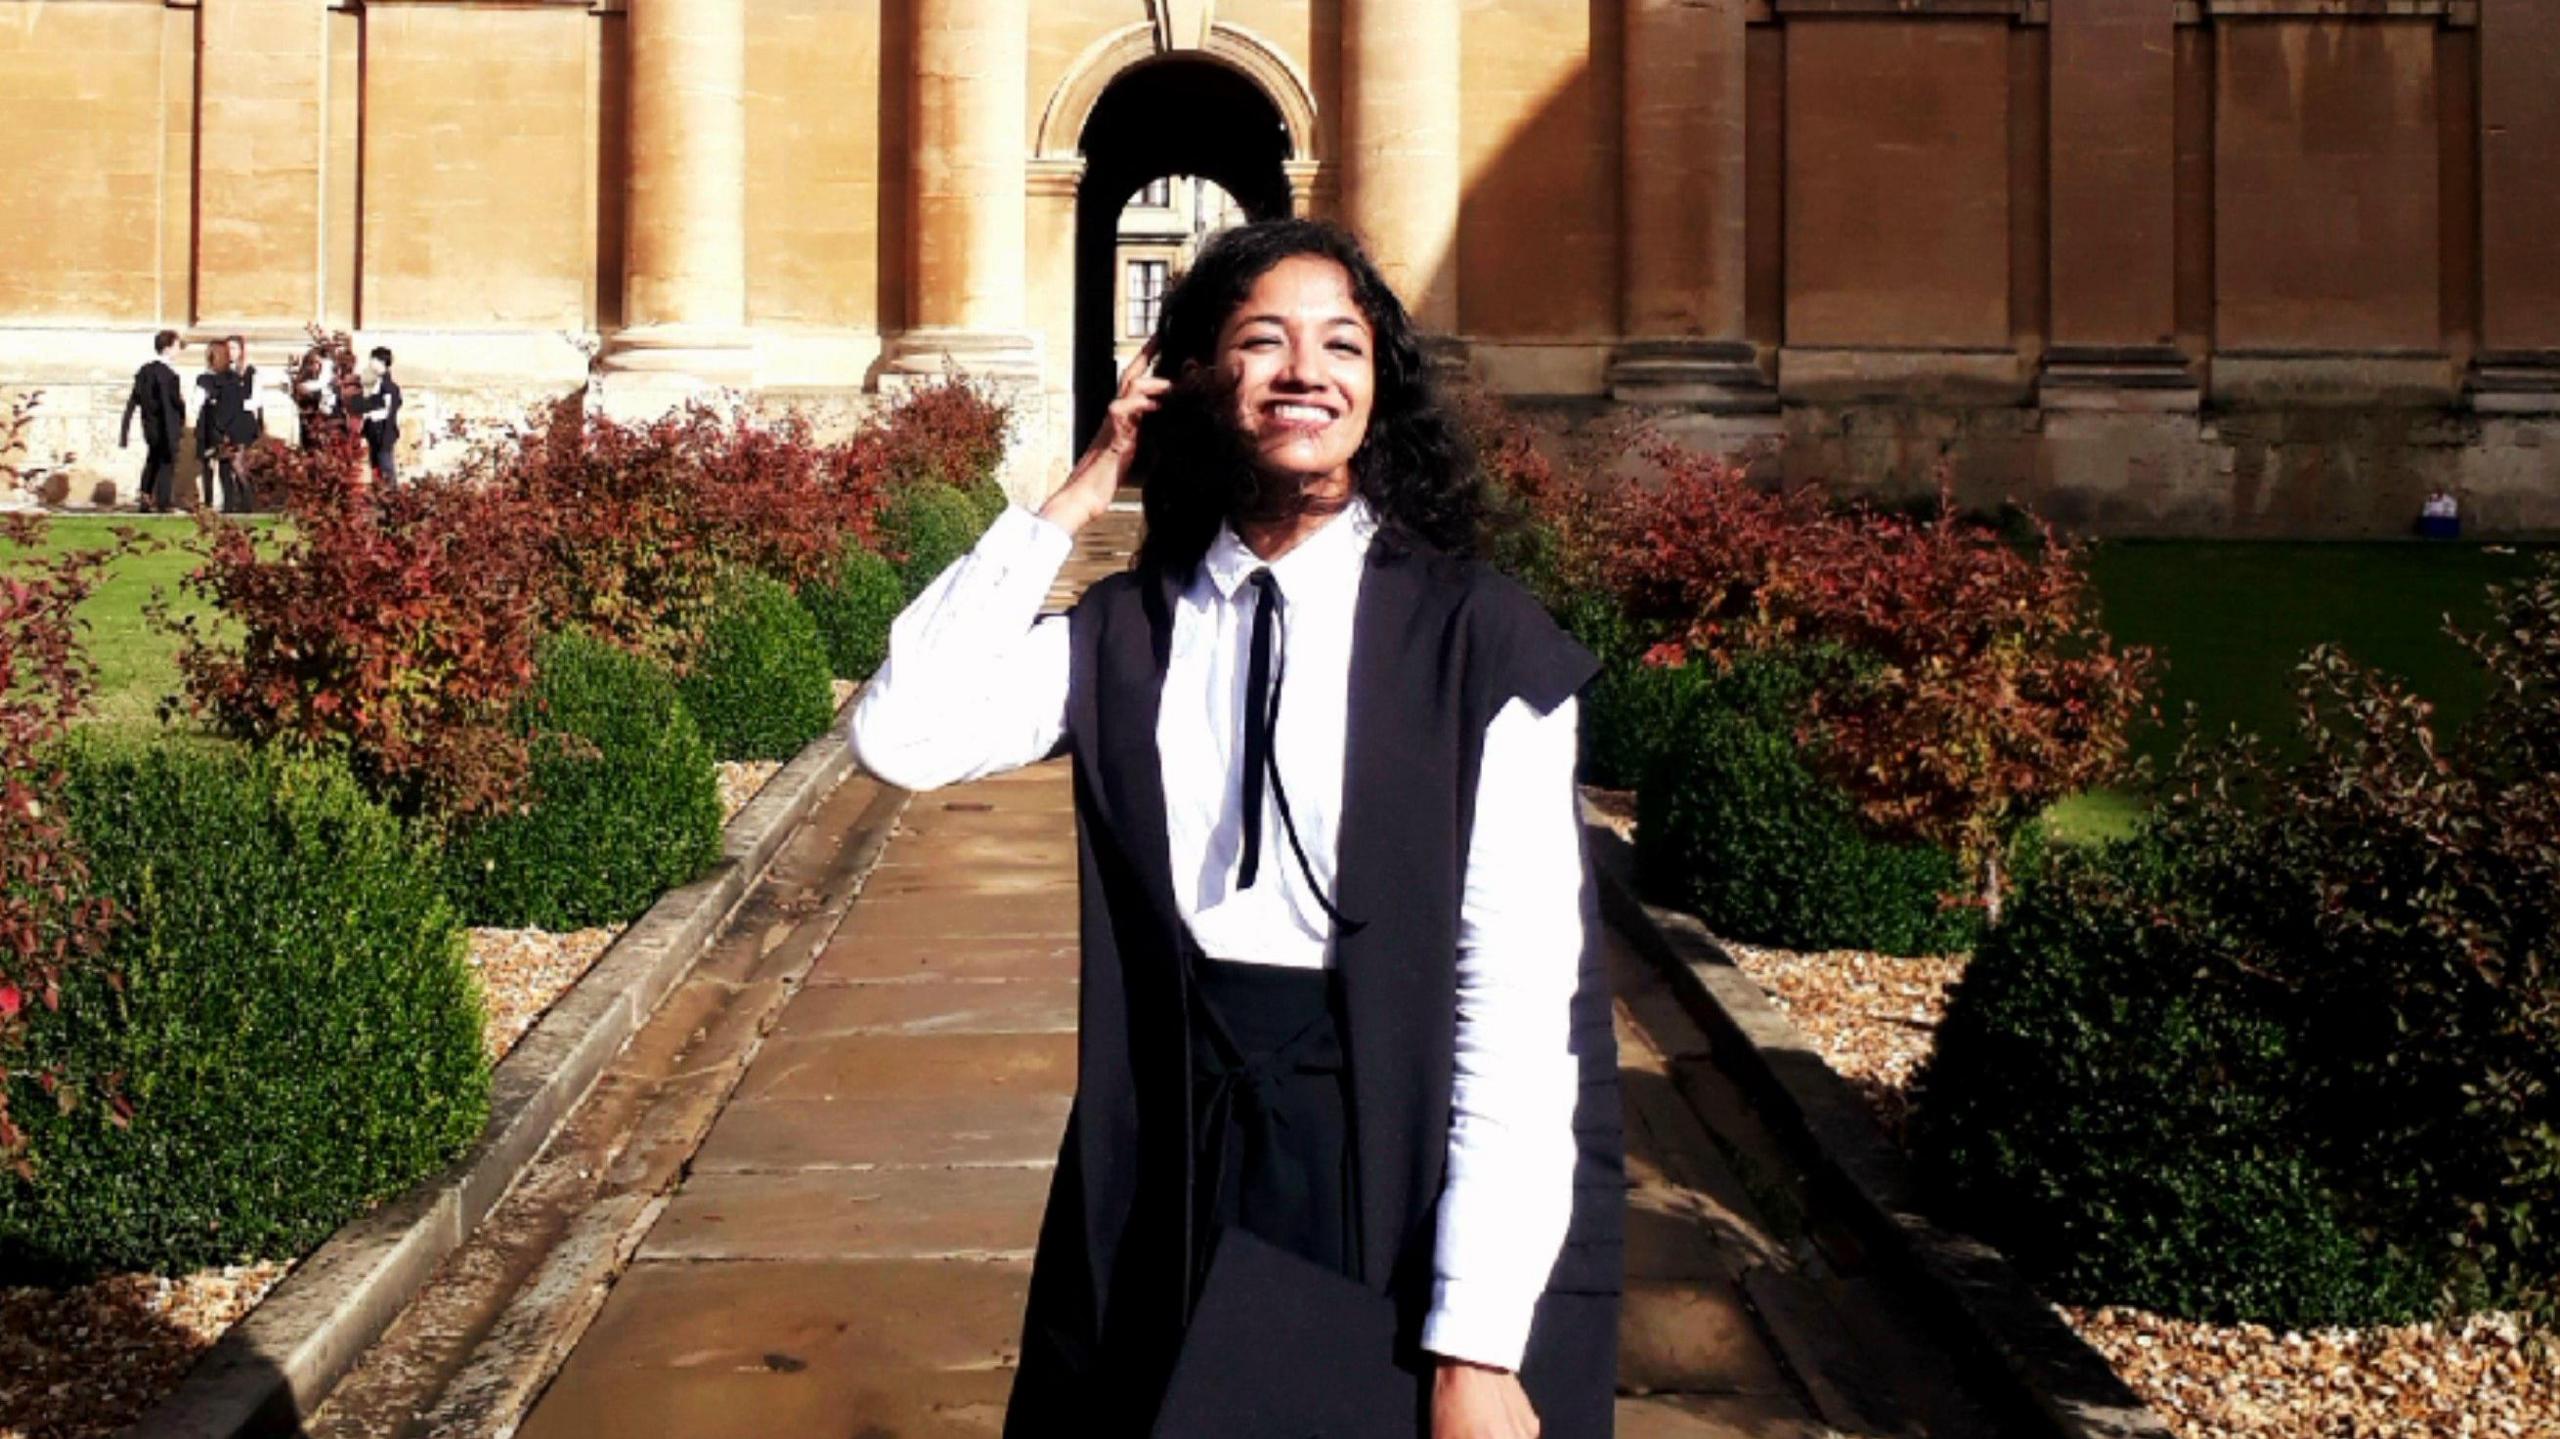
1140	114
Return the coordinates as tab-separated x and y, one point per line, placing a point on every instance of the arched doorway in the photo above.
1165	117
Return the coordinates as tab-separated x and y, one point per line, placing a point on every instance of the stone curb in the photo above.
2048	1373
284	1358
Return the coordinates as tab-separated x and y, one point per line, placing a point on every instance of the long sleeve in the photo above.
976	679
1509	1193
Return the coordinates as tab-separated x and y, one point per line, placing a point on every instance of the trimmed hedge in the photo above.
925	527
759	684
986	497
1735	828
854	609
623	805
1631	709
2124	1113
296	1029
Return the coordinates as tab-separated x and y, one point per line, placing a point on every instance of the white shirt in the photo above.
976	682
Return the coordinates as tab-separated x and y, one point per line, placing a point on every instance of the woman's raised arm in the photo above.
975	681
976	678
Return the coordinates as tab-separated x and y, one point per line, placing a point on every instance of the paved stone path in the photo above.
846	1252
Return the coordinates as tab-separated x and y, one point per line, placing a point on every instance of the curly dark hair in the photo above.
1415	467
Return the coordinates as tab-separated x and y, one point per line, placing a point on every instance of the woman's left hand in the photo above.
1470	1401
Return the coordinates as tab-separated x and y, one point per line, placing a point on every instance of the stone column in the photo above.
2114	210
684	269
971	128
1682	159
1400	142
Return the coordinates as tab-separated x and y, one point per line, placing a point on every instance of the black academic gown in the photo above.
1439	646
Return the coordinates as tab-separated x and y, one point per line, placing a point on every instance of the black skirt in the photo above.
1270	1113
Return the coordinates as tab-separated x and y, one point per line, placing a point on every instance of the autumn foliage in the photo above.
1977	685
401	622
396	622
49	923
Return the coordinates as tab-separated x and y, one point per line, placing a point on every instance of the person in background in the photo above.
162	402
212	386
315	390
238	426
381	410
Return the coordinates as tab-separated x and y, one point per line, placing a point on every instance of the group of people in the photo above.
227	421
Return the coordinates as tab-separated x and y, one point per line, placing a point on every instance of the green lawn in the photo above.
137	662
2231	619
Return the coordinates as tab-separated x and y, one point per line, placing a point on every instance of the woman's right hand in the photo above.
1097	476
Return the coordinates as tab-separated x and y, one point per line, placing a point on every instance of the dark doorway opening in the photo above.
1164	118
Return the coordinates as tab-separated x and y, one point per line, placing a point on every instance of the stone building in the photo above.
1161	230
2220	266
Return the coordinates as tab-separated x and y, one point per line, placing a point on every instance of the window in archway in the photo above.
1146	286
1163	225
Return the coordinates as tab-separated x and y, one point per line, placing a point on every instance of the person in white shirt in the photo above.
1339	992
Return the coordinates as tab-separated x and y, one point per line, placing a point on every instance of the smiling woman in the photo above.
1296	380
1344	1154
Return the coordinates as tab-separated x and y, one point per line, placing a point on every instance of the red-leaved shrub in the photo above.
48	920
641	518
950	433
1988	690
1980	686
398	622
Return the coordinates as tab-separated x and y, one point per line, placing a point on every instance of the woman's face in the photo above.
1301	358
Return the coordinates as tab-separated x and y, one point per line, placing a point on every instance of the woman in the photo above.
1344	1153
214	388
244	424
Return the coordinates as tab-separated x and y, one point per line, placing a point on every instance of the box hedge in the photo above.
2123	1110
1735	827
759	684
623	801
285	1008
854	609
925	527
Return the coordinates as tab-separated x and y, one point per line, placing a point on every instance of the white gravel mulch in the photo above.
2484	1375
523	970
83	1362
1874	1018
739	781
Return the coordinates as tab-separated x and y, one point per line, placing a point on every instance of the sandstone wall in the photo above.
2218	265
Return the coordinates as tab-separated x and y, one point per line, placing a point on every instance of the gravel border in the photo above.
291	1350
2049	1373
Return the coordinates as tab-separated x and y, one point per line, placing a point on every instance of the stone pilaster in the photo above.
1400	140
684	271
262	165
2114	211
1682	159
972	83
2518	370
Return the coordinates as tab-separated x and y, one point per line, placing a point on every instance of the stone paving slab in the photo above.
834	1348
928	1129
929	957
924	1006
1044	914
900	1213
895	1066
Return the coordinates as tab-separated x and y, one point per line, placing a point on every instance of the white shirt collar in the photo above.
1327	560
